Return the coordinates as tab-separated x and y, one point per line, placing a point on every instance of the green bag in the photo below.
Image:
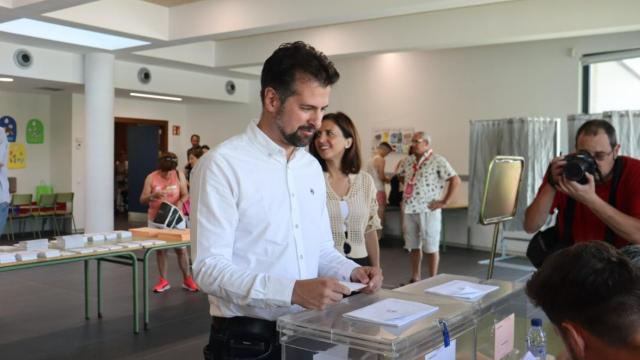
43	189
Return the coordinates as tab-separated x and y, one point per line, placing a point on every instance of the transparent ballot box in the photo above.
499	317
328	334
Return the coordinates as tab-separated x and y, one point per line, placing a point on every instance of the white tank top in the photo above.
374	174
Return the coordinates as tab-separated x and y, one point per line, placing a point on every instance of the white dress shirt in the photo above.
259	224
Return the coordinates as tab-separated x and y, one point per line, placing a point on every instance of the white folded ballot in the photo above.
70	241
392	312
82	250
129	245
462	289
37	244
95	237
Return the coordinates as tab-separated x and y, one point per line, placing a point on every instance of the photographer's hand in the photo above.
556	167
582	193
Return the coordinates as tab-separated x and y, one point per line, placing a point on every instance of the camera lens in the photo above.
573	171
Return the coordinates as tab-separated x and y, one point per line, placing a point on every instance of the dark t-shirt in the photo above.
586	225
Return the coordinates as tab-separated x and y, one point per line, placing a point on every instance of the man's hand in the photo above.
556	167
581	193
372	276
318	293
436	204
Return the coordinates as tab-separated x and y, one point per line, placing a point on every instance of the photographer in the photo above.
583	182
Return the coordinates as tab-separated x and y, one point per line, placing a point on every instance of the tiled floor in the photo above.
42	317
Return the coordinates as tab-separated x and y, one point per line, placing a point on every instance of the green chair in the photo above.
46	210
64	210
20	209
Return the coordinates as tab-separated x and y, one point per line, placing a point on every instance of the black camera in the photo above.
578	165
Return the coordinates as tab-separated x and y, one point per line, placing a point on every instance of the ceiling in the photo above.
233	37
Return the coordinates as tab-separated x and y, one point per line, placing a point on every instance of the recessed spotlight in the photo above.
6	79
152	96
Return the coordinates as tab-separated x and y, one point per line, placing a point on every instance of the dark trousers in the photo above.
361	261
242	338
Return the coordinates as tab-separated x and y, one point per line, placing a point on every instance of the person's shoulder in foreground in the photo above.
591	293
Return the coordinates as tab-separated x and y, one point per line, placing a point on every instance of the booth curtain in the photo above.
535	139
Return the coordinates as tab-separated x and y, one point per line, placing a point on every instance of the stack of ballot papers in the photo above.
70	241
82	250
122	234
129	245
48	253
462	289
6	258
147	243
392	312
38	244
26	255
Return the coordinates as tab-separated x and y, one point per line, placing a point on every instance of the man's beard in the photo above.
294	138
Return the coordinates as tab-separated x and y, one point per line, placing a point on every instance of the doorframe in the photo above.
163	124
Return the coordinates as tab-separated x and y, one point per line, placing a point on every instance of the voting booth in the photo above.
458	329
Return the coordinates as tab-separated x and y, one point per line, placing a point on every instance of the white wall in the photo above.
23	107
217	121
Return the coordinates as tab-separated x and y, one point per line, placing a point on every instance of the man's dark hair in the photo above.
385	145
196	151
295	59
594	286
351	162
593	127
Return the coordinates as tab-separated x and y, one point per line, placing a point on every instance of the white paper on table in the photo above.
392	312
129	245
353	286
462	289
48	254
443	353
529	356
504	334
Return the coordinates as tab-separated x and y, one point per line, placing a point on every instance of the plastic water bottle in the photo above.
537	340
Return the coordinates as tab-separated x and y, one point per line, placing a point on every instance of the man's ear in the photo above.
574	338
271	100
616	151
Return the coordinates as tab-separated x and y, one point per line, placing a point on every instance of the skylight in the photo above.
67	34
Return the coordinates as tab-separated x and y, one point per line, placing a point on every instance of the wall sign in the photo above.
35	131
8	122
17	156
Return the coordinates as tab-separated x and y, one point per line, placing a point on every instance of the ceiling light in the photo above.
67	34
152	96
6	79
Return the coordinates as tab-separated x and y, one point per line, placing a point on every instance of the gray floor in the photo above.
42	316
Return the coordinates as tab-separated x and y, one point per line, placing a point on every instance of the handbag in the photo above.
168	217
547	242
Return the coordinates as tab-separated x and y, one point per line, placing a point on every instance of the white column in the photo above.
98	141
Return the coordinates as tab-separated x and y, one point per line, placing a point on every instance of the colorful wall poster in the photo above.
17	156
35	131
399	139
10	126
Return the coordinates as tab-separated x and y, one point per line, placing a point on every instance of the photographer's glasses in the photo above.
599	155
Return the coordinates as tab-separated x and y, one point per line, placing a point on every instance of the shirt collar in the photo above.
264	143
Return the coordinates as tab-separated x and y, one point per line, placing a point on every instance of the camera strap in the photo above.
609	235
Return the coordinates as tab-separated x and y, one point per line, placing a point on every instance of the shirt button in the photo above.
293	195
301	257
296	226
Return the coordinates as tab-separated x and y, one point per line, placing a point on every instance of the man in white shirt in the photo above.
5	197
426	176
260	223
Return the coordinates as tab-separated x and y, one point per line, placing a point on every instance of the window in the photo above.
611	82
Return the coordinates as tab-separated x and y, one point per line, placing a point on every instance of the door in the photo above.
143	144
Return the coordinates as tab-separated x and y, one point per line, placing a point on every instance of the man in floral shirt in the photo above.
426	175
